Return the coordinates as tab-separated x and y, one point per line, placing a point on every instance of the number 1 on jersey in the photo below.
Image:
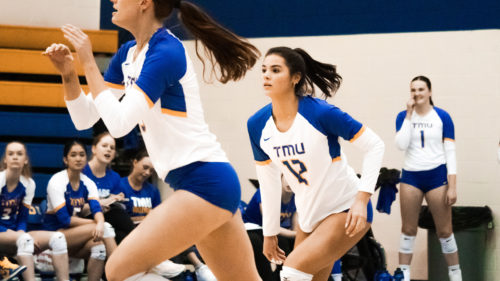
422	137
302	170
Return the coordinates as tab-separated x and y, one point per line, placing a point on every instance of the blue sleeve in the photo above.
255	125
114	73
336	122
165	64
95	207
399	120
3	228
63	217
156	200
22	218
448	127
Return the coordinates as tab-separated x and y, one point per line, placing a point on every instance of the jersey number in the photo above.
302	169
422	138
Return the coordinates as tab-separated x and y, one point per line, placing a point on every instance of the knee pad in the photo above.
448	245
292	274
109	231
406	244
58	244
98	252
25	245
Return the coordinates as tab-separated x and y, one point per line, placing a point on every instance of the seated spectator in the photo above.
141	198
67	193
17	191
108	185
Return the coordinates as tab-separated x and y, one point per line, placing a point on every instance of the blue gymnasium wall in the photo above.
273	18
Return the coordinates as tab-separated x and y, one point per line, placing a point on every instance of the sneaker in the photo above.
169	269
9	271
203	273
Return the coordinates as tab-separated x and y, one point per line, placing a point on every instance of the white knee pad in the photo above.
25	245
448	245
109	231
145	277
98	252
406	244
292	274
58	244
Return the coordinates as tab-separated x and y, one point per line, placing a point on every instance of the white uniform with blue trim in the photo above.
161	96
429	140
310	157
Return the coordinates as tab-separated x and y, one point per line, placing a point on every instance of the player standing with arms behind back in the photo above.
297	135
162	97
427	135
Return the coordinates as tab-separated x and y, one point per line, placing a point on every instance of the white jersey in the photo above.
310	158
428	140
27	183
161	96
60	194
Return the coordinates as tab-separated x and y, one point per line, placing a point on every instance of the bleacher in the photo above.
32	108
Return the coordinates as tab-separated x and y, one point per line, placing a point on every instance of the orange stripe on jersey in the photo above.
359	133
93	198
150	102
115	86
448	139
263	163
174	112
58	208
336	159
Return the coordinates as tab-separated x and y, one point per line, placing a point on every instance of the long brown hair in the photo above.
26	168
226	51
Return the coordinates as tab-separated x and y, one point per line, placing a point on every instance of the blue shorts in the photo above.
216	182
369	212
426	180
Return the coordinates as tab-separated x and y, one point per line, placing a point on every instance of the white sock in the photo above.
337	277
455	273
406	271
143	276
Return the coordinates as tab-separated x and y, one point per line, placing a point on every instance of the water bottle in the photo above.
399	275
383	275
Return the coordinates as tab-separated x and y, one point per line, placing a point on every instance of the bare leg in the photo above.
8	241
411	200
318	250
228	252
179	222
441	213
60	262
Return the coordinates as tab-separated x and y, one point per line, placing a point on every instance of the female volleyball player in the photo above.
297	135
162	97
427	136
17	191
67	192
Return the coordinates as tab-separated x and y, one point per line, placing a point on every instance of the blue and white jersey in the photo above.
140	202
425	140
63	202
310	158
15	205
161	95
107	185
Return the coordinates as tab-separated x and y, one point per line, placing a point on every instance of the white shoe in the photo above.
203	273
169	269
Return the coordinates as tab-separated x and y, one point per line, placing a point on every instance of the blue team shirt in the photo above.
253	215
141	202
14	214
107	185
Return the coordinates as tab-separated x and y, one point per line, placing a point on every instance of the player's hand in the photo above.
410	104
357	215
451	196
272	251
80	42
98	232
61	58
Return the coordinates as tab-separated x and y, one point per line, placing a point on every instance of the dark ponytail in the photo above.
226	51
312	72
427	82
